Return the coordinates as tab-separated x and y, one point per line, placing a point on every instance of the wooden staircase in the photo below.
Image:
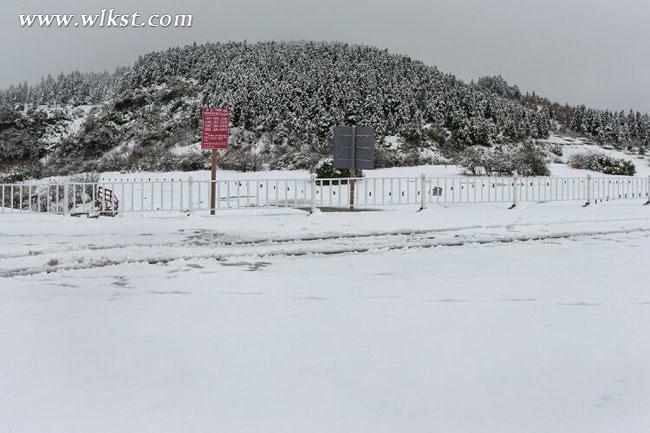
106	203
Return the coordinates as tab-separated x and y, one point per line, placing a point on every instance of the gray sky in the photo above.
594	52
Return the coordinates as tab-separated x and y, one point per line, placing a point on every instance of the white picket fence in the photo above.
115	196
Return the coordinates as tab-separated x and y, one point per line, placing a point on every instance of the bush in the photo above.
556	149
476	160
238	157
325	170
194	161
113	161
89	177
600	162
531	161
524	159
21	173
159	160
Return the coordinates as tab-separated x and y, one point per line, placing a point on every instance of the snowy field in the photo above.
454	319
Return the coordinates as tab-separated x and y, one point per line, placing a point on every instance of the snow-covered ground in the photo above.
571	146
454	319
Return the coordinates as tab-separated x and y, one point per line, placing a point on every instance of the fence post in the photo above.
648	191
423	188
589	198
313	194
66	198
190	201
514	191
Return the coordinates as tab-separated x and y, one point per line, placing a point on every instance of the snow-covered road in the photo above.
453	319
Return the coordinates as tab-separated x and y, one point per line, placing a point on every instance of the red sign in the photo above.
216	128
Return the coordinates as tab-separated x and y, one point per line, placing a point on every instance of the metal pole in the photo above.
190	204
213	183
353	171
514	191
313	193
66	187
423	188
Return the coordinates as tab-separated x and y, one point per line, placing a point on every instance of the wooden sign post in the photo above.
215	132
213	183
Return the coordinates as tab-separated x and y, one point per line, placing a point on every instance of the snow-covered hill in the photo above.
285	99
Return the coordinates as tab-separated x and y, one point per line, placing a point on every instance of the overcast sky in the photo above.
578	51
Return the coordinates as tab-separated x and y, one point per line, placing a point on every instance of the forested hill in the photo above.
286	98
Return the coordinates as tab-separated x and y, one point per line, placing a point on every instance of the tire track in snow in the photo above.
205	237
379	243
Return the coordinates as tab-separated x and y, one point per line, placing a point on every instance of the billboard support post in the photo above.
353	171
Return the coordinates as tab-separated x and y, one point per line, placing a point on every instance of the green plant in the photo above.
325	170
603	163
525	159
556	149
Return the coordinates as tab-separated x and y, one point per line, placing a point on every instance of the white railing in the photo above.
114	196
536	189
